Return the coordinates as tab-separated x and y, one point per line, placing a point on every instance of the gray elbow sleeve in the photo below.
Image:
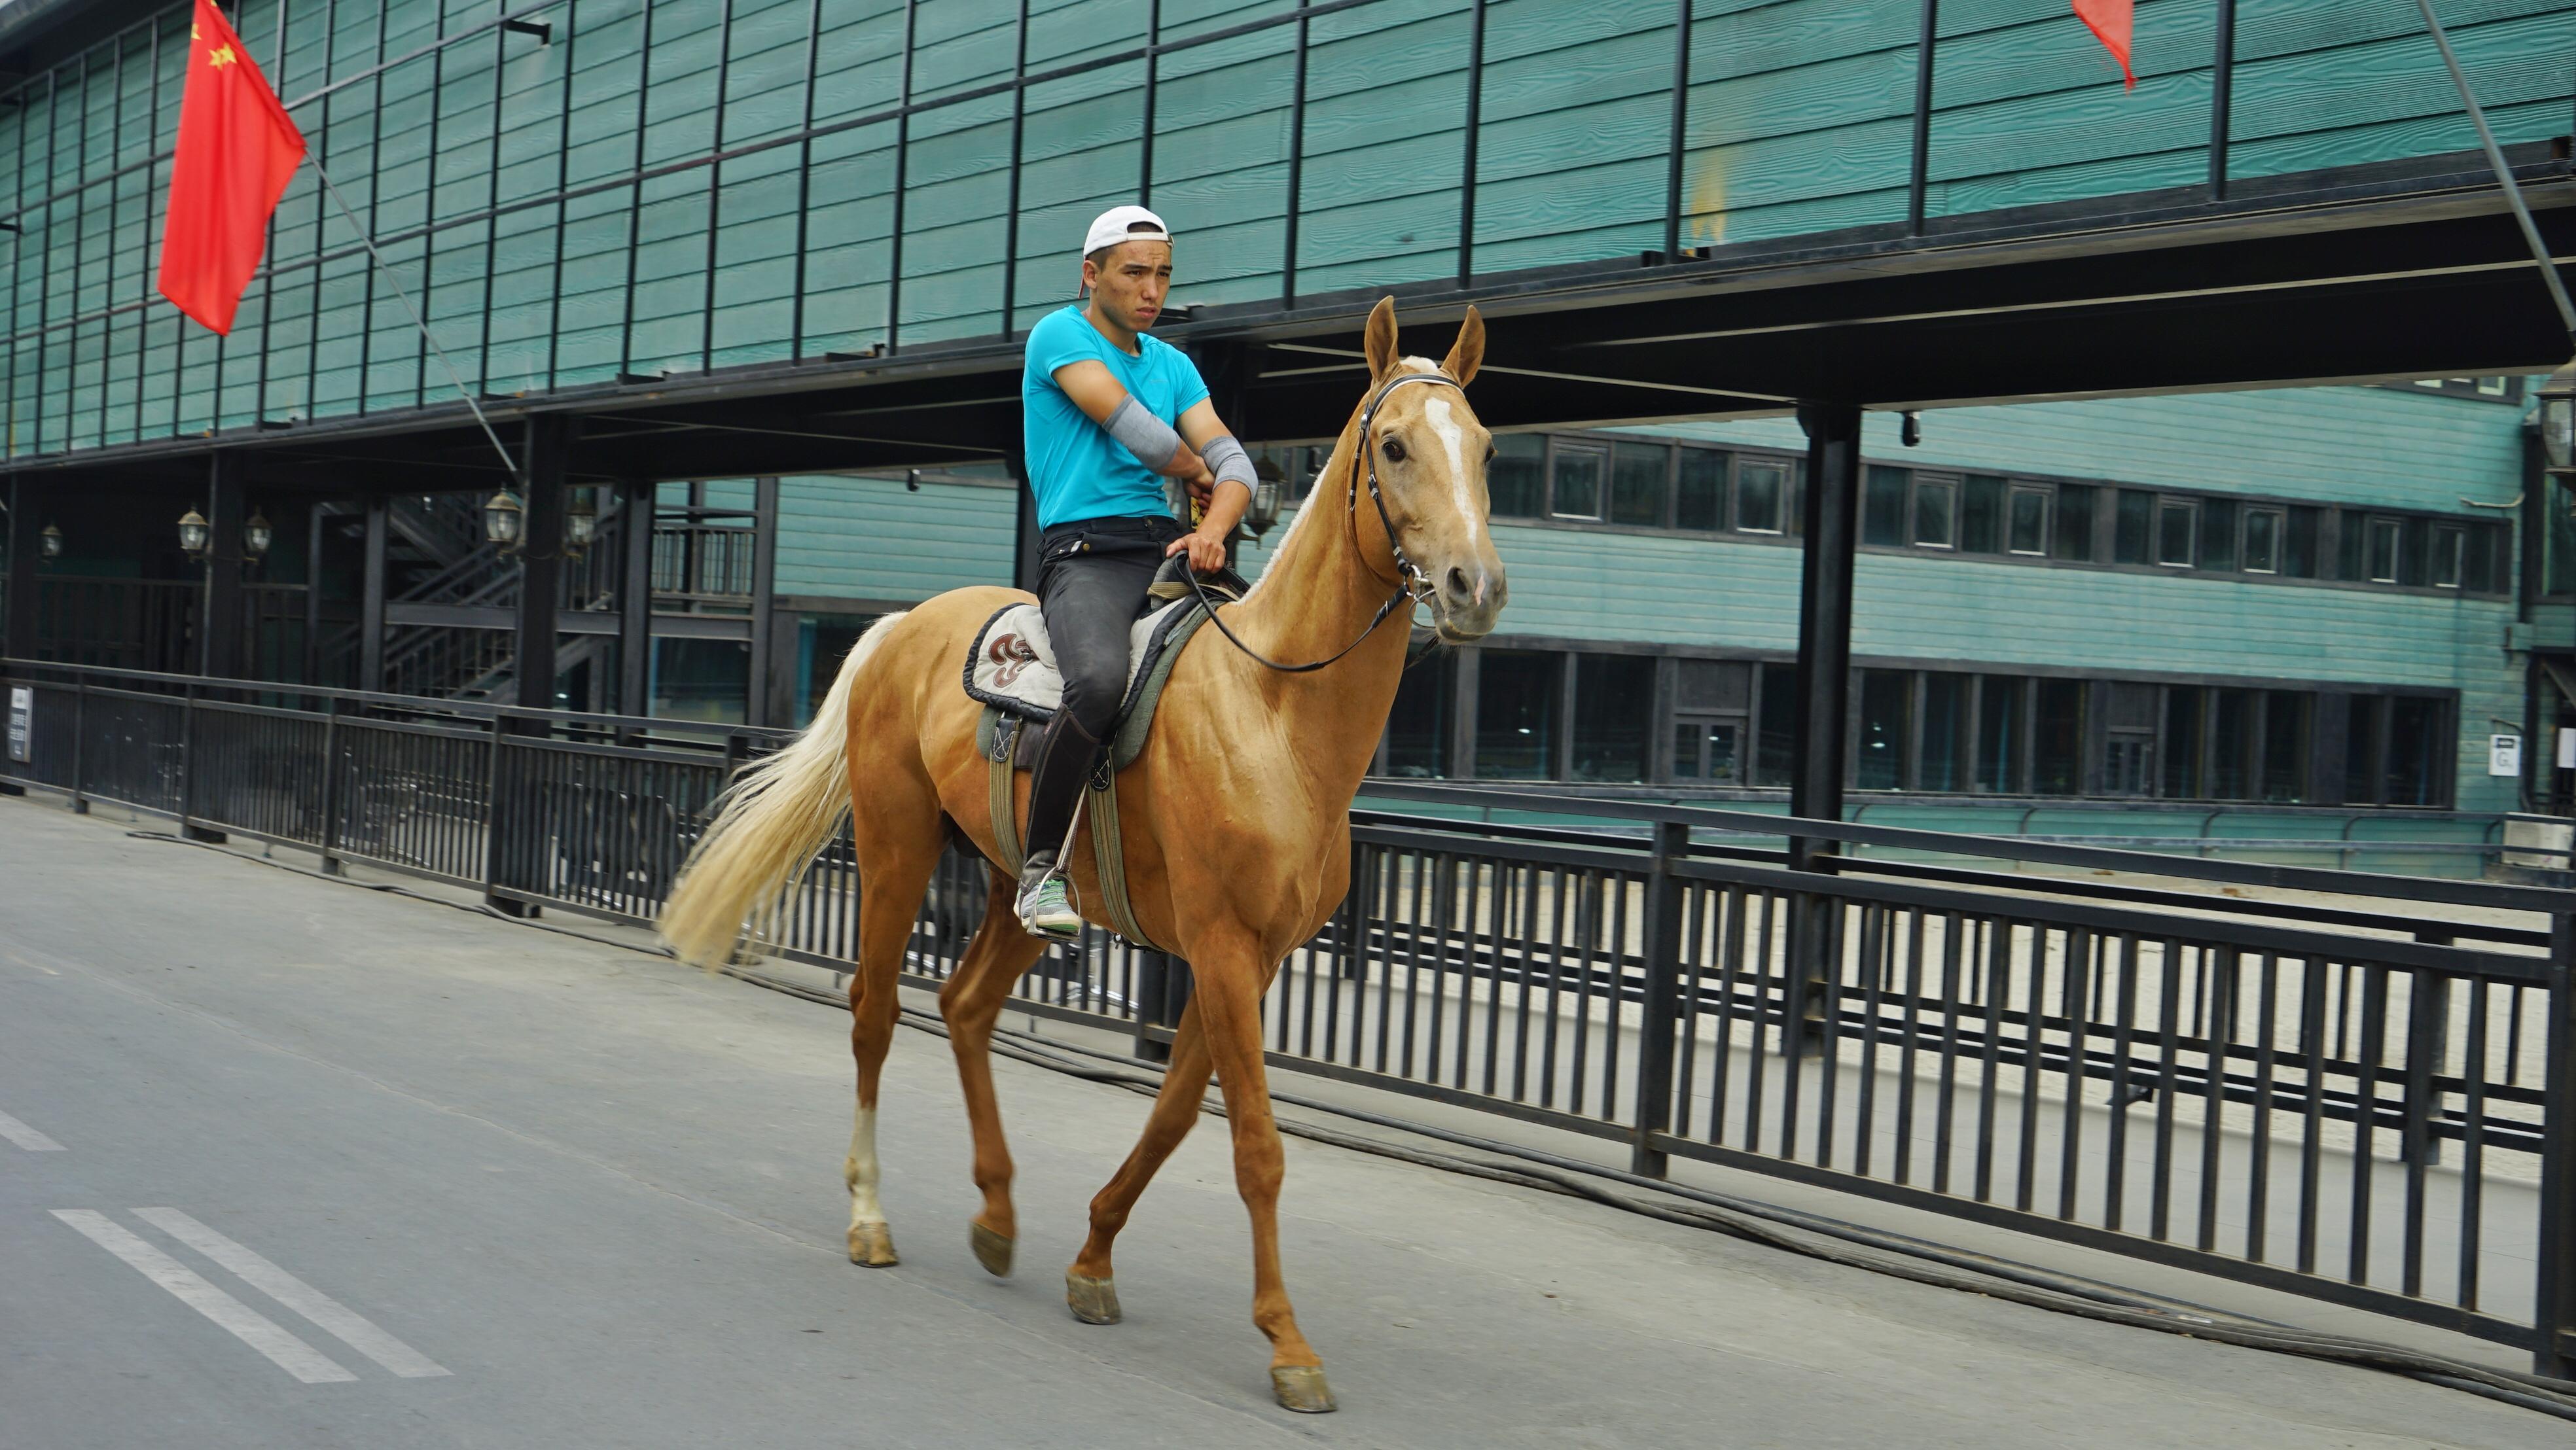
1227	460
1141	433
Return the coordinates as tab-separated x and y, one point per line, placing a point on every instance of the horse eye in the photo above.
1394	451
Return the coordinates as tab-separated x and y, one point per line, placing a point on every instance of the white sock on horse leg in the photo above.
860	1169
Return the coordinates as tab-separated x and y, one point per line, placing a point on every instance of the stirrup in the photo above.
1032	907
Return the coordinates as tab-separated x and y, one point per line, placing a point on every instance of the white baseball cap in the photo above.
1114	226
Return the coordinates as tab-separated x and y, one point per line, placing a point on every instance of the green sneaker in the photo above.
1046	909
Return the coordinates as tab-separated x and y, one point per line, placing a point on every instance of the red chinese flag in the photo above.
236	153
2107	19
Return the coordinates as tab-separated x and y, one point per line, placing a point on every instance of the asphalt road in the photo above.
285	1162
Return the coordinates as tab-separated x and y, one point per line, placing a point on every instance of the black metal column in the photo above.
1824	620
371	599
2554	1307
635	597
18	631
759	689
219	615
541	534
315	530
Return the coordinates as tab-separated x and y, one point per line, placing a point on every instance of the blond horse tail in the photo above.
768	825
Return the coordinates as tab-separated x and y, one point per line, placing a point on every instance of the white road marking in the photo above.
352	1327
247	1324
26	1137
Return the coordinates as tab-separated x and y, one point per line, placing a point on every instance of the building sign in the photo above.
22	722
2504	755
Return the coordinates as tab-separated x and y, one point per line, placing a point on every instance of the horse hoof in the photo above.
1301	1387
1093	1301
872	1246
992	1250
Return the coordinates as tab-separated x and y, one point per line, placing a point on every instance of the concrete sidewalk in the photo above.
603	1192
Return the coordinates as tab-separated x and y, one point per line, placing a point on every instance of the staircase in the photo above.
435	554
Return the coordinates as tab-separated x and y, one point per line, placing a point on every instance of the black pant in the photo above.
1092	578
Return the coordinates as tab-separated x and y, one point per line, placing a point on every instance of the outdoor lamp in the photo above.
257	535
501	519
581	522
2558	420
1263	511
194	537
49	543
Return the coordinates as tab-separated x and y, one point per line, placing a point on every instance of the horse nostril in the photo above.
1458	585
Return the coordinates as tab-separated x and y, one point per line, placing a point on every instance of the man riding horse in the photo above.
1110	412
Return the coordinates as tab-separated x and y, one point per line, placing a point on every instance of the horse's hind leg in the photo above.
972	1002
895	858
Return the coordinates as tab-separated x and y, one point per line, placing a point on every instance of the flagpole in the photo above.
2504	177
426	335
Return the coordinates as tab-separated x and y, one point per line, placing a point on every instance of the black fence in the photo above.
2357	1088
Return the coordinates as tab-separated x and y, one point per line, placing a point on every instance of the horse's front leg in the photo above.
1089	1289
1230	982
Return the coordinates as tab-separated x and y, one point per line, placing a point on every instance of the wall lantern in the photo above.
194	537
581	522
257	535
49	543
502	516
2558	420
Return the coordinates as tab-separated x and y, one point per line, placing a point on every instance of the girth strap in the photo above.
996	735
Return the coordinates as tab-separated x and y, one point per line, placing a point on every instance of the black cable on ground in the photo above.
1899	1256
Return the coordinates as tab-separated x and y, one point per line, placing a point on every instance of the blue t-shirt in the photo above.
1076	469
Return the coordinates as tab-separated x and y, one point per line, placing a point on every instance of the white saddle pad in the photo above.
1013	663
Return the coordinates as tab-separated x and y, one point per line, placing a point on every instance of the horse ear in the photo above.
1381	337
1469	350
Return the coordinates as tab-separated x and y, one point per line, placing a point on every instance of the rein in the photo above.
1411	582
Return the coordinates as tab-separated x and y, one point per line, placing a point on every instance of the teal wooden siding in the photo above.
867	538
556	212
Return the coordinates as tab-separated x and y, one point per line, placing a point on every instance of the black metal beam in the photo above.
541	537
371	598
759	688
219	616
635	597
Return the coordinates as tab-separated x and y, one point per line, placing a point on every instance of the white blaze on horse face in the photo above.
860	1169
1454	438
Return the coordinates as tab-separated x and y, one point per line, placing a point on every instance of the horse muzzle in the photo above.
1466	598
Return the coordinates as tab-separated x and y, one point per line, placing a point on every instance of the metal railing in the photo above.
2356	1088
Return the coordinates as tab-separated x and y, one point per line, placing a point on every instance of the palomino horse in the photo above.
1235	820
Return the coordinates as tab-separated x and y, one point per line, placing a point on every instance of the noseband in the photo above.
1411	580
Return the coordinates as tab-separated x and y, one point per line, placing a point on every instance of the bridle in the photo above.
1412	581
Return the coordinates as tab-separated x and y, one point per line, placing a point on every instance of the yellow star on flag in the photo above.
221	55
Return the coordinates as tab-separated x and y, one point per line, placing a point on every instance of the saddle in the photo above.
1011	670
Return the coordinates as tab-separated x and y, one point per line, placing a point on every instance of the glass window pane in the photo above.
1516	714
2383	535
1775	746
1613	695
828	639
1686	742
2262	541
2130	541
1638	473
2173	534
1725	752
2231	745
2181	778
1578	483
1417	731
1936	519
2414	552
2478	556
2415	742
2365	720
701	679
2558	546
2289	726
2449	544
2218	533
1882	507
1981	512
2029	529
1999	726
1516	481
1699	498
1759	485
2074	522
2057	741
1886	708
1945	733
2299	557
